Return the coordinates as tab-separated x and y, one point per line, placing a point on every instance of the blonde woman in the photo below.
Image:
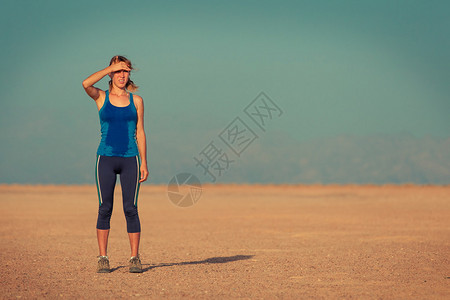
122	151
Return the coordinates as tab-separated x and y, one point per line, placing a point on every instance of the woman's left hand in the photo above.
144	173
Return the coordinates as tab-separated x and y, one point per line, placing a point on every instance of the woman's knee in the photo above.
130	211
105	210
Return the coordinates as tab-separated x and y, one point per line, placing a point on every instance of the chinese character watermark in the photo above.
262	109
214	160
238	136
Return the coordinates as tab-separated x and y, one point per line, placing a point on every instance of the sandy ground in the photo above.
247	242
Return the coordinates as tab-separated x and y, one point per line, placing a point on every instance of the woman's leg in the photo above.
102	238
129	179
106	181
134	237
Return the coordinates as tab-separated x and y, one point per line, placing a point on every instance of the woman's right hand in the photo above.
119	66
88	83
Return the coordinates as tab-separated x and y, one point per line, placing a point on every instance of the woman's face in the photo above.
120	78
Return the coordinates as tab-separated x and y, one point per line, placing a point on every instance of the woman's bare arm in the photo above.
140	136
88	83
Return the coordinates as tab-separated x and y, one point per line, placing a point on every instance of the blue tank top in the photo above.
118	128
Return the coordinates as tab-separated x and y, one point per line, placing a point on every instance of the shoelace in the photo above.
135	259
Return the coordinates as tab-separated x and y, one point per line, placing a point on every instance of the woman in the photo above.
122	151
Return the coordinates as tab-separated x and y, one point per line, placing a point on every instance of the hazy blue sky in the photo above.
358	68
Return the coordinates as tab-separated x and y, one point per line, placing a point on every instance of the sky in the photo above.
356	69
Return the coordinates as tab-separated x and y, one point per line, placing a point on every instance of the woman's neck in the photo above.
118	92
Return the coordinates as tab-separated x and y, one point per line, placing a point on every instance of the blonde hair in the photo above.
130	84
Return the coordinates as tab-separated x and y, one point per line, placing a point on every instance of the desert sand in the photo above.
237	242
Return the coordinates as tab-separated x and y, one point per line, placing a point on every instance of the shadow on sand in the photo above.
212	260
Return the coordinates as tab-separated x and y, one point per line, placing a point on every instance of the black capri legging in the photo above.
106	170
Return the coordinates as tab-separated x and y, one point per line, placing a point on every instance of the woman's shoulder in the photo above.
138	102
137	98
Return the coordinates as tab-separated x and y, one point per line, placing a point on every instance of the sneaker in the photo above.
135	265
103	264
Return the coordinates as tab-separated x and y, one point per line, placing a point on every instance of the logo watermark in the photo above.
218	155
184	189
